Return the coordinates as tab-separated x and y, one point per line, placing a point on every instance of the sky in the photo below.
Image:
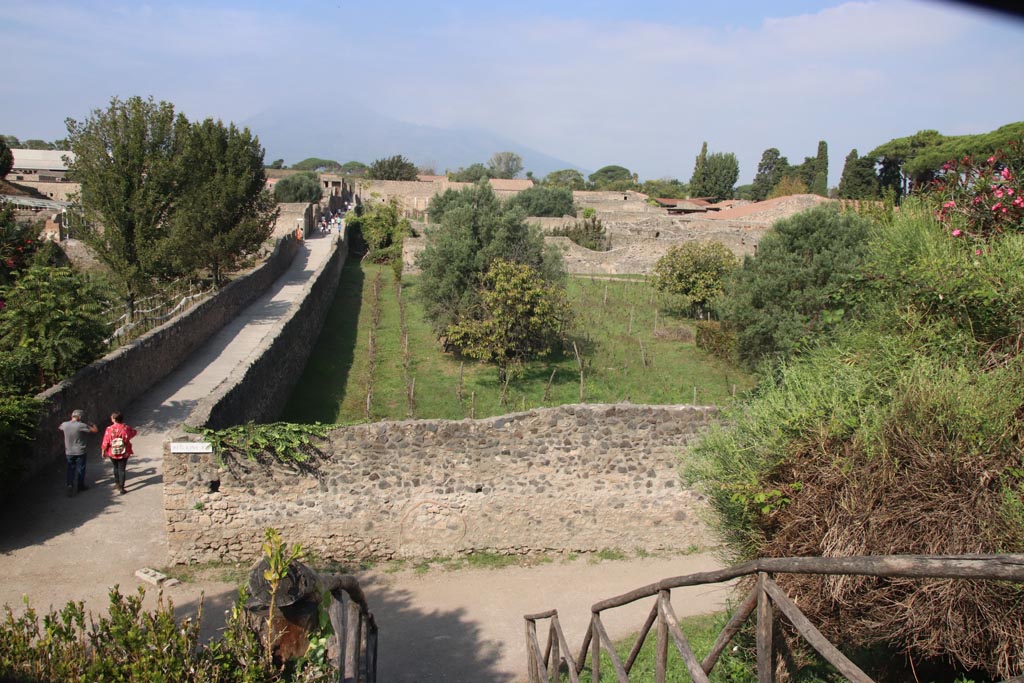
638	84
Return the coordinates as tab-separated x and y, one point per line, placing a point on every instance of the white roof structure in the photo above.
40	159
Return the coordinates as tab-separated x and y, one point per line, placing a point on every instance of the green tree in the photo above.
396	167
17	244
859	180
11	141
589	233
667	188
317	165
695	270
301	187
56	316
568	178
382	227
698	181
544	201
819	185
224	212
277	164
354	168
471	174
518	316
505	164
612	177
790	184
470	229
770	171
128	161
36	143
6	159
715	175
800	282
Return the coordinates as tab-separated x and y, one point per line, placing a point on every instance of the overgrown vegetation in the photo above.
588	233
696	271
300	187
900	432
287	443
382	228
803	281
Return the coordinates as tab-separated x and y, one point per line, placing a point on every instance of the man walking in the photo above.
74	449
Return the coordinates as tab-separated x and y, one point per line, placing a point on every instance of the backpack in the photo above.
118	446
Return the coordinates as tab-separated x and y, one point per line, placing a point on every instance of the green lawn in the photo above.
634	344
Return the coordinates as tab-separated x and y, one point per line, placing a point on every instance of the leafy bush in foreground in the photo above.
904	435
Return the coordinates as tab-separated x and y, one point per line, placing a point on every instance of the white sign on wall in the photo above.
191	447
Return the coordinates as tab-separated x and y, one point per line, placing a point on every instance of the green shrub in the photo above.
301	187
589	233
695	270
544	201
804	280
716	339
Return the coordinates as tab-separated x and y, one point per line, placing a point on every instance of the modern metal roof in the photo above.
33	203
40	159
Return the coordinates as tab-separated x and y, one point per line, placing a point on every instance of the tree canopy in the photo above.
299	187
224	213
128	159
315	164
568	178
714	175
396	167
544	201
770	171
505	164
859	180
611	178
471	174
695	270
6	159
470	229
797	284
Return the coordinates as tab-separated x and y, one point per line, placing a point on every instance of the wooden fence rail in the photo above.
355	629
765	598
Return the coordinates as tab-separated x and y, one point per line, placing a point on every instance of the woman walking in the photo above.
117	445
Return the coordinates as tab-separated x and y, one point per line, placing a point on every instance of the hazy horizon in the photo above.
593	84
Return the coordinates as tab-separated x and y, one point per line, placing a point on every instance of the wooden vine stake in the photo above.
472	406
643	352
547	389
579	362
458	389
605	293
630	330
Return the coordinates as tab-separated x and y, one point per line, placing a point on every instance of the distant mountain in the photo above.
354	132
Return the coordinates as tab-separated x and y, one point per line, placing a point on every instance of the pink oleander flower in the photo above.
991	160
1009	192
1019	201
997	206
998	192
957	232
946	166
977	252
1006	174
949	205
977	200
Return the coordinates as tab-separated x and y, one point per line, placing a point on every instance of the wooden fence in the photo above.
355	628
765	598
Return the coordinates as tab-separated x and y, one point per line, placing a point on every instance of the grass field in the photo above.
634	347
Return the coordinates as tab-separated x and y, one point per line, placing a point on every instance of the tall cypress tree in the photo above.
820	184
698	183
859	180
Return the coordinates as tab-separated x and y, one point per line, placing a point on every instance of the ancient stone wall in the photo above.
121	376
259	391
571	479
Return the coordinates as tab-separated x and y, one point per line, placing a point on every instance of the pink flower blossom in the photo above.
997	206
998	193
957	232
991	160
1019	201
1006	174
949	205
977	252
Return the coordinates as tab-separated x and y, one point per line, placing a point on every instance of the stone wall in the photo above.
258	392
570	479
123	375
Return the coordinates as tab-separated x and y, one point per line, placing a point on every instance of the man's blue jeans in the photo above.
76	469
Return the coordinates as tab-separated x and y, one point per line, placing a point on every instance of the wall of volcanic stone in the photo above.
578	478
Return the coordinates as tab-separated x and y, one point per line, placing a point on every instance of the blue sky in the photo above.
638	84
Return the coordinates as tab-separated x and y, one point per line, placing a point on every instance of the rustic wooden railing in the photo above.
764	598
355	629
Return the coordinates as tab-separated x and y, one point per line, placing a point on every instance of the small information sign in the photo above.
191	447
